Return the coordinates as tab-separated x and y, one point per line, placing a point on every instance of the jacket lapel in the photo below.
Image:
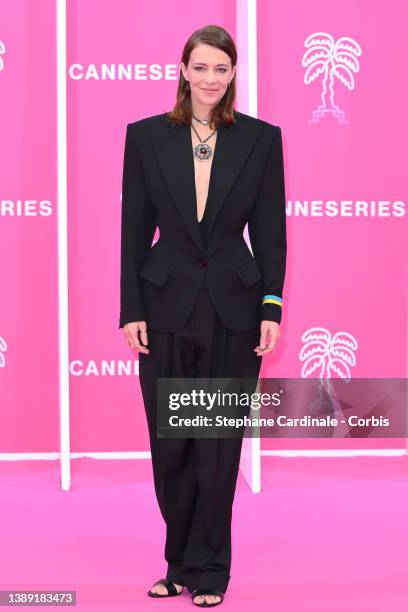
174	152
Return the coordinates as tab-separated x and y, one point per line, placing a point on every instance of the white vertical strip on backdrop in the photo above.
247	102
63	245
252	58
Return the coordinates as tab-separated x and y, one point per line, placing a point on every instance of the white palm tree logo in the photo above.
3	349
2	52
329	357
326	354
333	59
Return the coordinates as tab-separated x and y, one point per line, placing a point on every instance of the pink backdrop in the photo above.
345	272
28	228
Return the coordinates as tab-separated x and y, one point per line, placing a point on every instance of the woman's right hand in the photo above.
131	331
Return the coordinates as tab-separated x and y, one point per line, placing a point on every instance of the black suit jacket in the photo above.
159	283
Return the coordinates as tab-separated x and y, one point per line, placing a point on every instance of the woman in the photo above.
197	303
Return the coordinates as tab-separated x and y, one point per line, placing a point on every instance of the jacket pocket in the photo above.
155	271
249	272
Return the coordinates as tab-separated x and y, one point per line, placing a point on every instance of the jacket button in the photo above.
203	263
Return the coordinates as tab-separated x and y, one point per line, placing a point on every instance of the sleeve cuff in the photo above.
272	308
130	317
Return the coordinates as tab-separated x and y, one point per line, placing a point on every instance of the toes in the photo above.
160	589
212	598
207	598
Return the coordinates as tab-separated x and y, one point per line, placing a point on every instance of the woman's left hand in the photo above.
270	334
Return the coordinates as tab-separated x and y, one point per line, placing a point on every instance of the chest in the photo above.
202	175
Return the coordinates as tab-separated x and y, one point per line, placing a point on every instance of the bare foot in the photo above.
208	598
160	589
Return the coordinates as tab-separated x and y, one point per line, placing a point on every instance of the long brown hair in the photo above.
223	112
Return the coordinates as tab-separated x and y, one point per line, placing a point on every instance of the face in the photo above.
209	71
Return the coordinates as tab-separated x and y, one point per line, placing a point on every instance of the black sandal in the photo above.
205	604
171	589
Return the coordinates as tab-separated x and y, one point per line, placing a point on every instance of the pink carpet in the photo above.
325	534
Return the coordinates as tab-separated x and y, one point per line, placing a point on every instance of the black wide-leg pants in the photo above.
195	478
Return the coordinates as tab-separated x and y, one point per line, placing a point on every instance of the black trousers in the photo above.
195	478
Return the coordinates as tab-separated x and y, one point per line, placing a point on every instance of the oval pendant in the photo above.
202	151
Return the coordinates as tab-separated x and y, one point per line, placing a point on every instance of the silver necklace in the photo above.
203	151
203	121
